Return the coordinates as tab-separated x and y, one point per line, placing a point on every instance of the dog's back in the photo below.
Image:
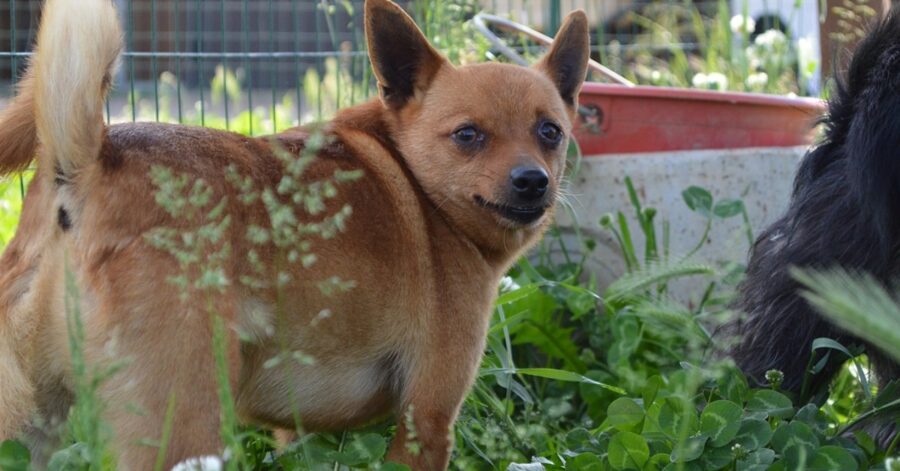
845	211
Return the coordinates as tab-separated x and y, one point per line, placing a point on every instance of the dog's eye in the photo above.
468	136
550	133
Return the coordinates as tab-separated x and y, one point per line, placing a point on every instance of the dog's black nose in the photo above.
529	183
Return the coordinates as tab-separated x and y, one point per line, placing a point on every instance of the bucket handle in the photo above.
482	20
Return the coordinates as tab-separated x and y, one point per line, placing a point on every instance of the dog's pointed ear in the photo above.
566	63
402	59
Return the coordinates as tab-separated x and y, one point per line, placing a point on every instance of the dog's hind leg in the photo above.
165	350
16	390
18	331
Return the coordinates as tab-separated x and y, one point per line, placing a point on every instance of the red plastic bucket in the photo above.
659	119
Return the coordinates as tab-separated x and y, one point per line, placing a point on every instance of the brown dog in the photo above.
461	168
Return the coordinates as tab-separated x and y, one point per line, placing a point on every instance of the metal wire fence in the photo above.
262	65
258	66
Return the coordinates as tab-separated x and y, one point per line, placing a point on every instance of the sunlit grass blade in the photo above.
653	274
856	303
550	373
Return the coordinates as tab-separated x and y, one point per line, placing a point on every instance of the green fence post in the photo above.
555	18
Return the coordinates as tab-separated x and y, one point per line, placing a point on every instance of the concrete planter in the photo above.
736	145
761	177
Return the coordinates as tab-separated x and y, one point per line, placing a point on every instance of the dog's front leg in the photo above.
441	377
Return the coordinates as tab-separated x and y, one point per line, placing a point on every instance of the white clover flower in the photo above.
718	81
771	39
507	284
200	463
700	80
758	80
710	81
754	61
741	24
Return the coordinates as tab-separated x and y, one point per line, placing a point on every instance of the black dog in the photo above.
845	210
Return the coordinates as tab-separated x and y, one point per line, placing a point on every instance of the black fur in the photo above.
845	210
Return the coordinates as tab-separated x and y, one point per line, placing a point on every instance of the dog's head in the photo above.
487	142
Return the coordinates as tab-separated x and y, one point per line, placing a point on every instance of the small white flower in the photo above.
892	464
700	80
741	24
771	39
201	463
718	81
507	284
758	80
710	81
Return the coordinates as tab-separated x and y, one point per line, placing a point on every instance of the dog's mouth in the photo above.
523	215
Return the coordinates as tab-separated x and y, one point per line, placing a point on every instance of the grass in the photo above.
573	378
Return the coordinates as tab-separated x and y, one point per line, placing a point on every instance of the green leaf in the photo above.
698	200
624	414
654	384
76	456
585	462
716	458
733	386
628	450
720	421
759	460
771	403
812	416
888	393
833	458
362	450
796	442
14	456
580	440
728	208
391	466
754	434
865	442
658	461
690	449
830	344
694	466
677	420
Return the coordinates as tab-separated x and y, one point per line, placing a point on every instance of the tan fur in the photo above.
425	257
17	132
77	48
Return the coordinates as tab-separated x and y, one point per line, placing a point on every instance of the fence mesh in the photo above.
261	65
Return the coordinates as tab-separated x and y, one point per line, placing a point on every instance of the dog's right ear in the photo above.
566	63
403	60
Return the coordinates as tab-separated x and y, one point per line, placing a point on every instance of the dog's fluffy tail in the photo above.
18	136
845	211
60	102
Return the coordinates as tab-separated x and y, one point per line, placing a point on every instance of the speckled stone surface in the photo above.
761	177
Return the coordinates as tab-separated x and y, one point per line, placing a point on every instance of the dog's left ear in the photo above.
403	60
566	63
